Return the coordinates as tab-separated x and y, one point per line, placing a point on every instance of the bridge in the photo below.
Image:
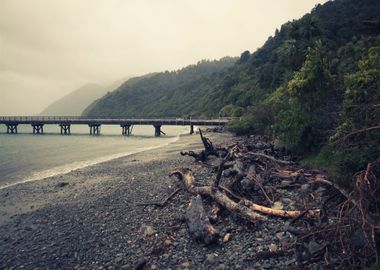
64	123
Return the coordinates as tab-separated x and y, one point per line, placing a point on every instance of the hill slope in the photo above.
163	94
75	102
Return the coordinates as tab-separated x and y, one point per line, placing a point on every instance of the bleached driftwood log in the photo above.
244	208
199	224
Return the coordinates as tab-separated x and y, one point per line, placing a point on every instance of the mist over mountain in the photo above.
75	102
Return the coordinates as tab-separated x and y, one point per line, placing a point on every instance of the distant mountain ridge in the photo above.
77	101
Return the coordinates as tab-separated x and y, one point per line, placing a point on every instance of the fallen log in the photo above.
246	209
281	213
186	176
199	224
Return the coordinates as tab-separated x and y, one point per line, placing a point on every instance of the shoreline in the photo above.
13	203
67	168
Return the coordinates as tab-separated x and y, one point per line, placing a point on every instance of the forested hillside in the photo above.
173	93
314	87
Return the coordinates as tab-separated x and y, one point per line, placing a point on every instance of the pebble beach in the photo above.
91	219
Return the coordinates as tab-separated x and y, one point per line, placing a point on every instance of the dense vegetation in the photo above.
175	93
319	79
314	87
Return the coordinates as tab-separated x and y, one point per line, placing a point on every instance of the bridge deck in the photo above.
94	123
78	120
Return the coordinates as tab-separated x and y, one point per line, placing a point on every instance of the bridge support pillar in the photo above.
191	129
94	129
12	128
65	129
158	131
38	128
126	129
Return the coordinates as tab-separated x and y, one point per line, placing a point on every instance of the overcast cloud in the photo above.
49	48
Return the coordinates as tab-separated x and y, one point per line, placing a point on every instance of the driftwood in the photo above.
186	175
247	183
245	208
199	224
209	150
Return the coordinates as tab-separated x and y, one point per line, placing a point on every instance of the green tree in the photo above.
298	124
357	138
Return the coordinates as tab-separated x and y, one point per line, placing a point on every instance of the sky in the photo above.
49	48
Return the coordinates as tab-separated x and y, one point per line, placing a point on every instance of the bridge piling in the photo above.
191	129
94	129
126	129
157	130
38	128
12	128
65	129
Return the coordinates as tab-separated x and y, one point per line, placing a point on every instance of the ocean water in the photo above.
27	157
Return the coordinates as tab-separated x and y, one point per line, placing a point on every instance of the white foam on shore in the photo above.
67	168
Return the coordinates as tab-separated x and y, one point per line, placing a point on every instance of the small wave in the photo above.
64	169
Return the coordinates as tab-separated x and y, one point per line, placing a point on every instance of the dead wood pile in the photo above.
249	177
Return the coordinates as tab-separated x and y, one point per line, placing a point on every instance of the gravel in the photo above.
88	219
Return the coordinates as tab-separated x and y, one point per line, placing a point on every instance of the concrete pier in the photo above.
94	129
191	129
65	129
157	130
126	129
38	128
12	128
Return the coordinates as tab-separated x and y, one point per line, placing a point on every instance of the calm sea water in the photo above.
27	157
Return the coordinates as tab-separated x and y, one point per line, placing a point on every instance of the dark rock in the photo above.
62	184
140	264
